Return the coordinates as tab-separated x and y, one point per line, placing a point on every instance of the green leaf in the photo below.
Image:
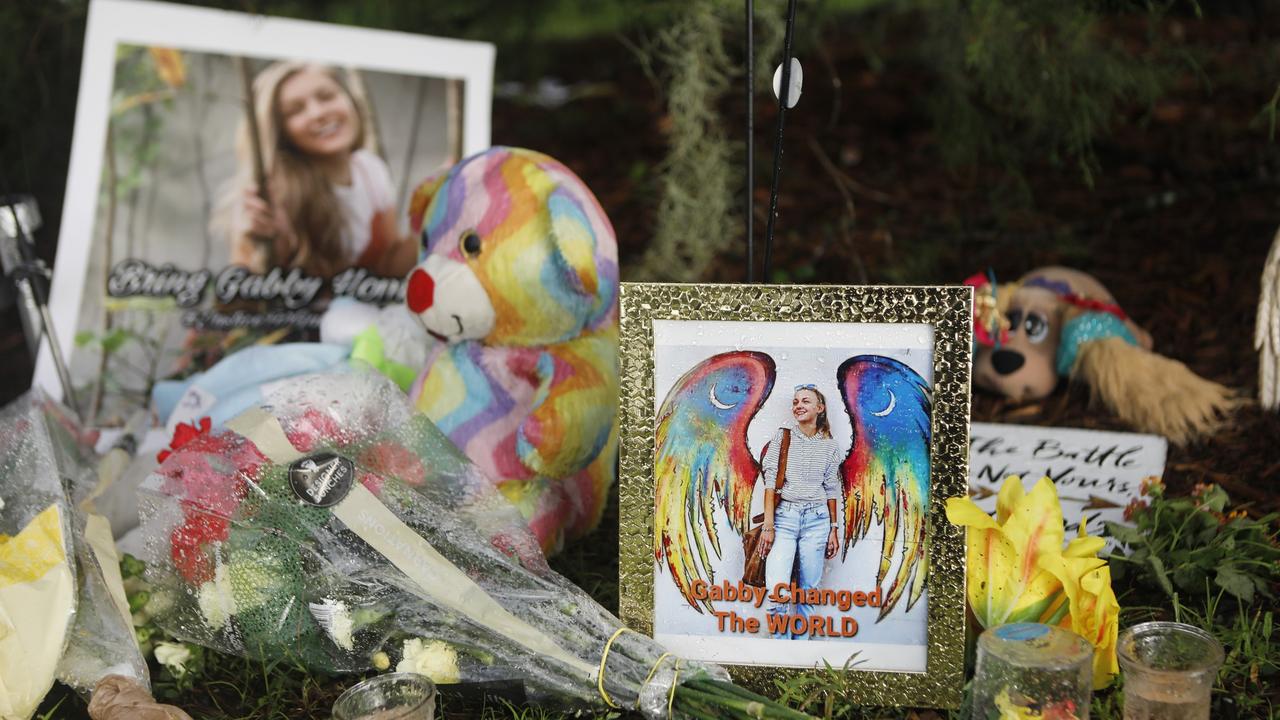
1162	577
1124	533
1235	582
1262	586
114	339
1190	577
84	337
1215	499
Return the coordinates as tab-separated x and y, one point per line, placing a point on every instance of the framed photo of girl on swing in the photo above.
820	430
232	176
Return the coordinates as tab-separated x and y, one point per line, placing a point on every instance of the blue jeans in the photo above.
800	532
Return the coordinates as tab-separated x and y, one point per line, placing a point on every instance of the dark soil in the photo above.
1177	225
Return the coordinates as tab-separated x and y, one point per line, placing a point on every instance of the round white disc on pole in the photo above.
797	82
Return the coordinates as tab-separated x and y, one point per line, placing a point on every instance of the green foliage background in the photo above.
1018	82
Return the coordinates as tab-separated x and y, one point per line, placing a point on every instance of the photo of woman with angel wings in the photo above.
706	473
800	528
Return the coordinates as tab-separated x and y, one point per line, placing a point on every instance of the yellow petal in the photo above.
1094	612
34	551
1008	564
1010	494
1034	526
37	595
999	591
1084	547
966	513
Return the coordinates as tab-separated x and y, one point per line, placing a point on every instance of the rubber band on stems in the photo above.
604	658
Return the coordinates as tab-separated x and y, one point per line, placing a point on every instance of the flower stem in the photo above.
771	708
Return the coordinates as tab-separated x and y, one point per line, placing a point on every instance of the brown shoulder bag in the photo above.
753	564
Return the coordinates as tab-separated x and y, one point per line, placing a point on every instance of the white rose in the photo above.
335	618
436	659
217	603
173	656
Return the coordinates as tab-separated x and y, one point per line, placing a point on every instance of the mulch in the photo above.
1177	224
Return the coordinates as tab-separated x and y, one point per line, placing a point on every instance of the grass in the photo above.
222	687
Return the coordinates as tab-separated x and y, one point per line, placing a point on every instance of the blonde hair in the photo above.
823	424
294	181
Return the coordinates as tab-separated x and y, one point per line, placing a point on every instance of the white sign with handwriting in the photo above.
1097	473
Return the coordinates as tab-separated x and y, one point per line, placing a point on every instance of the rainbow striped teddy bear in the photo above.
519	282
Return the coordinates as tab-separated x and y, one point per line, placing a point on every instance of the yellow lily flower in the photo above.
1095	614
1019	571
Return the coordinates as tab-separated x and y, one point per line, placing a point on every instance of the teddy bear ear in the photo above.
575	246
421	199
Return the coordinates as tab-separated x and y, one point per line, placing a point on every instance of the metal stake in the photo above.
751	155
784	97
18	258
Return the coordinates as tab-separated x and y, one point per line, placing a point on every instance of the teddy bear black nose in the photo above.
1006	361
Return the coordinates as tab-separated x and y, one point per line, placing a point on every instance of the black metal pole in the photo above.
783	97
751	155
18	216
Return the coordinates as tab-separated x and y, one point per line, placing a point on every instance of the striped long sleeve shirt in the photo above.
813	465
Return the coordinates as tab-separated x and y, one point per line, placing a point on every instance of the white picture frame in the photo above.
113	23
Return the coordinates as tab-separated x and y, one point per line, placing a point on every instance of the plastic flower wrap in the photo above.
62	607
335	526
1019	570
37	562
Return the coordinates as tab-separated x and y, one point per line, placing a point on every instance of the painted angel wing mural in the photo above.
886	474
701	460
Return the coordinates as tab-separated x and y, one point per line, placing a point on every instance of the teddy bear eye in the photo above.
1037	327
470	243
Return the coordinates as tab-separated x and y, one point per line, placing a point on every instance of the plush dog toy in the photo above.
519	283
1056	322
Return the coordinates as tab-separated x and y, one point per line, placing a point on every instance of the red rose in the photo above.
394	460
187	545
195	437
372	483
313	427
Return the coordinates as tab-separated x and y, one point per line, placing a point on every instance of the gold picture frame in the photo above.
803	326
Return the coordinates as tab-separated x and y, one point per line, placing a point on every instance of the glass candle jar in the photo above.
394	696
1032	670
1169	669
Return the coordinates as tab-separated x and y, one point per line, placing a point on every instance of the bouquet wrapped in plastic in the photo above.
336	526
63	613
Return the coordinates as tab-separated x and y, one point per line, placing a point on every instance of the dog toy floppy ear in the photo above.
1146	390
